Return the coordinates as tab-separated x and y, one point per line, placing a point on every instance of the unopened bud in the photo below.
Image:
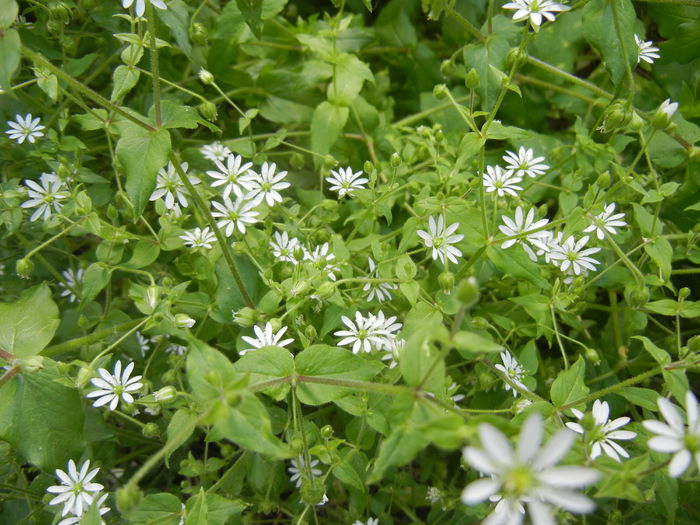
184	321
329	161
205	77
468	291
199	34
663	115
325	291
310	332
24	267
128	497
327	432
59	12
472	79
439	135
368	167
440	91
165	394
151	430
639	297
446	280
447	67
395	160
603	180
208	110
312	493
592	356
683	293
296	160
245	317
615	116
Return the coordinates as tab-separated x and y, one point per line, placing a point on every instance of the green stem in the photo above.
155	77
89	339
623	47
417	117
12	372
568	76
466	24
639	277
556	333
223	242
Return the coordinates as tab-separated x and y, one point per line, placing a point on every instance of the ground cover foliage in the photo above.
349	262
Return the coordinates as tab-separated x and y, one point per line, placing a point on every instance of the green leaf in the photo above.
252	14
643	397
161	508
327	123
334	363
173	115
350	75
209	371
599	30
661	252
264	364
8	13
145	253
29	324
125	78
211	509
180	428
197	509
469	343
142	153
96	277
177	18
228	296
9	57
569	385
42	418
515	262
352	469
660	356
423	326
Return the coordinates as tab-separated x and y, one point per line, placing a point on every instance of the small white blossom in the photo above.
452	393
344	181
367	334
144	343
382	291
370	521
521	226
73	282
393	351
141	5
199	238
215	151
525	163
113	386
440	239
234	215
99	502
25	128
535	10
646	51
321	259
267	185
175	349
601	437
513	371
571	254
169	186
547	243
433	495
606	221
46	196
266	337
76	491
668	108
674	437
299	471
233	174
526	476
283	247
501	181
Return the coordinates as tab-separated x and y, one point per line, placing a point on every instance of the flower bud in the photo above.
310	332
639	296
368	167
663	115
208	110
439	135
636	122
446	280
424	131
152	296
59	12
603	180
447	67
694	344
683	293
468	291
329	161
205	77
299	288
128	497
440	91
312	493
327	432
472	79
395	160
199	34
296	160
184	321
615	116
592	356
479	323
245	317
325	291
151	430
24	267
165	394
515	56
233	398
29	365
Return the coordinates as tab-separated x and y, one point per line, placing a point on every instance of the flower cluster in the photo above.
374	332
77	492
504	181
377	289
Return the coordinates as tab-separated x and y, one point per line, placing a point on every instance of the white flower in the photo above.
433	495
601	437
549	242
175	349
45	196
112	387
25	128
234	175
321	259
266	337
525	163
668	108
370	521
234	215
646	51
520	226
215	151
367	334
144	343
382	291
393	351
76	490
169	186
452	392
266	185
570	253
526	476
606	221
674	437
535	10
183	321
141	5
440	239
199	238
73	281
513	371
283	247
299	471
99	502
344	181
501	181
386	325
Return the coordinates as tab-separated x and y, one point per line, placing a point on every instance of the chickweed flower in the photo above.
76	490
99	503
606	221
25	128
527	476
283	247
367	334
601	437
144	343
525	163
73	281
501	181
344	181
571	254
535	10
169	186
233	174
234	215
382	291
45	196
199	238
393	351
675	437
266	337
215	151
513	371
141	5
298	471
440	239
646	51
370	521
111	387
520	225
321	259
267	185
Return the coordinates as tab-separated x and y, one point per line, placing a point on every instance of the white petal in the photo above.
569	476
495	443
665	444
679	463
568	500
479	490
555	449
670	412
530	439
540	513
